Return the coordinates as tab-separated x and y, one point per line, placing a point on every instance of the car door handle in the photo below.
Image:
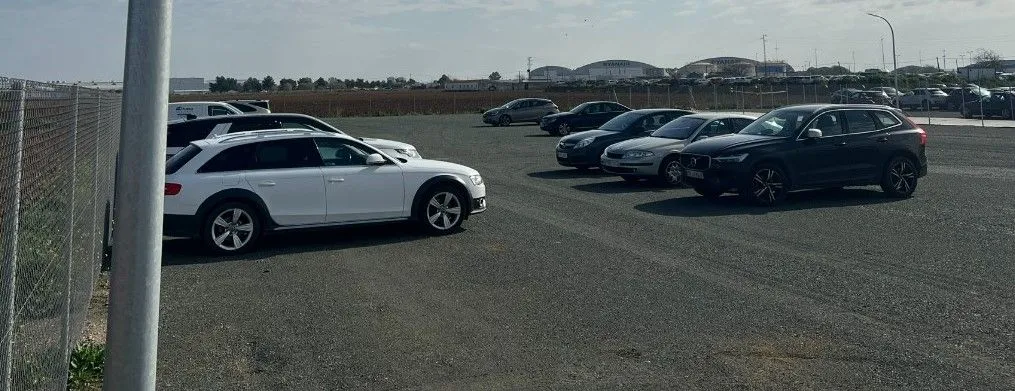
841	144
266	183
336	180
883	139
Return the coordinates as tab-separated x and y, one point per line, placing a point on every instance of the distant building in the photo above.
735	66
982	71
187	85
599	70
490	85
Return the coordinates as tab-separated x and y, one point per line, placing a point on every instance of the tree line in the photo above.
268	83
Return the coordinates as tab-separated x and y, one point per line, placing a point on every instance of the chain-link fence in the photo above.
708	96
58	148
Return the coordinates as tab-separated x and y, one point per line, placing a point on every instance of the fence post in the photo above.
95	189
65	336
630	96
669	100
135	276
715	96
10	228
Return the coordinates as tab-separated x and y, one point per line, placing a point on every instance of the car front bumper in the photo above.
548	126
478	205
722	177
577	157
637	167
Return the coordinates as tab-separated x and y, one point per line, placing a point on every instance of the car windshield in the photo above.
680	128
778	123
621	122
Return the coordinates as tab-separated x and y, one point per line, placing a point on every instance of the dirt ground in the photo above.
98	311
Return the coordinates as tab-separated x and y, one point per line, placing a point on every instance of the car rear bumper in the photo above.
183	226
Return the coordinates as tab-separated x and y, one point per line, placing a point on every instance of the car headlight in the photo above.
638	154
730	158
476	179
410	152
584	142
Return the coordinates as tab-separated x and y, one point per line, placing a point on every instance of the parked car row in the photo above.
232	178
761	159
193	110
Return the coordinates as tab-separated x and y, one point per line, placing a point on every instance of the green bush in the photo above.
86	363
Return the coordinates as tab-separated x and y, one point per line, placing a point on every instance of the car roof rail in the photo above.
257	134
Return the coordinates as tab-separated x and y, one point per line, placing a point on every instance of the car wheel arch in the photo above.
236	195
455	182
791	174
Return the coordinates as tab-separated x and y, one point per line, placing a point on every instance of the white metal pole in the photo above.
10	227
132	335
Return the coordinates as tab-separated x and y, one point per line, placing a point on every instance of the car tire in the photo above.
709	192
630	178
767	185
670	173
563	129
899	179
504	120
442	211
231	228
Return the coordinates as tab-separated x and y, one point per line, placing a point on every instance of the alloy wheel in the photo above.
564	129
767	186
902	176
674	175
444	210
232	229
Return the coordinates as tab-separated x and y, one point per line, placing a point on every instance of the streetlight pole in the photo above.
895	57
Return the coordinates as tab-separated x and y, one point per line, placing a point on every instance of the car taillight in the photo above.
173	189
923	136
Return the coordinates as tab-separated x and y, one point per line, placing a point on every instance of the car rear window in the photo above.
180	159
180	135
887	120
243	107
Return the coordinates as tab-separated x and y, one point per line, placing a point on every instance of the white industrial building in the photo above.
599	70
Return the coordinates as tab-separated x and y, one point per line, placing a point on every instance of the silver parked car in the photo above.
655	157
925	98
520	110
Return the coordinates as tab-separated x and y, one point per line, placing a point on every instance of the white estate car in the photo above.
180	133
229	190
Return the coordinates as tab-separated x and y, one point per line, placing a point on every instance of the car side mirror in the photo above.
375	159
813	133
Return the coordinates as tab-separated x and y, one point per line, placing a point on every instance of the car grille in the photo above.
614	155
696	162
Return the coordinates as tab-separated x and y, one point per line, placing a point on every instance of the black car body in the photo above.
588	115
994	105
583	149
959	96
810	146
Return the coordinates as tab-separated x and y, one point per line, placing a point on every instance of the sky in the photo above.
71	40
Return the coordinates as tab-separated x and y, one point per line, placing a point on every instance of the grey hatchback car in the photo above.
520	110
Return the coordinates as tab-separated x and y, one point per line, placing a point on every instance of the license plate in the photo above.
694	174
562	155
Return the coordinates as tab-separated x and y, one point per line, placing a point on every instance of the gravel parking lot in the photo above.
578	280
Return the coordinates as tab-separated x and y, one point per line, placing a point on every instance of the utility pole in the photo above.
529	72
815	57
944	57
135	278
884	65
764	52
853	66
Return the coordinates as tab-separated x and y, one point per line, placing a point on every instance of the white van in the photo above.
192	110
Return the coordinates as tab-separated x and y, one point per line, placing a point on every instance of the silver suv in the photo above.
520	110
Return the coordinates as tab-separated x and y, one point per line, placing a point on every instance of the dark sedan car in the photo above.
810	146
958	96
588	115
520	110
994	105
583	149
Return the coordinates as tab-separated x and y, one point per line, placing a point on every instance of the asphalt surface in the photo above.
578	280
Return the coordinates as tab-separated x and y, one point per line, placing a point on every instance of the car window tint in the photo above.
181	134
859	121
217	110
335	152
740	123
237	158
885	119
717	128
293	153
829	124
